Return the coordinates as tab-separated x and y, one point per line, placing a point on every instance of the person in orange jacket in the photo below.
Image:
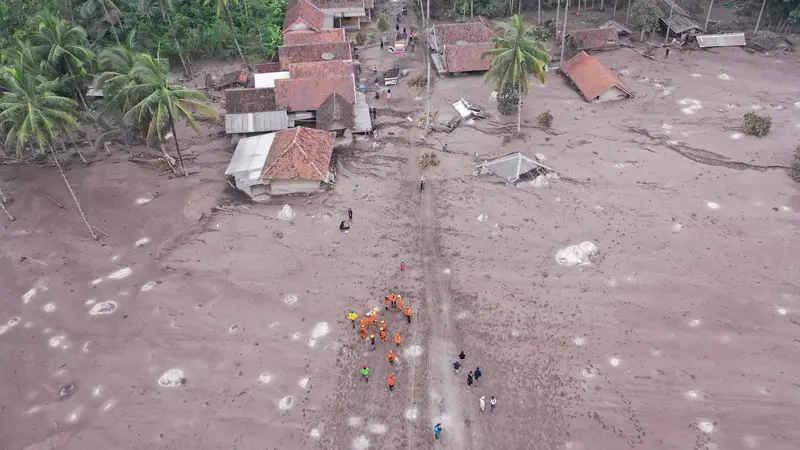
393	299
391	382
370	319
383	337
383	325
408	313
363	333
400	303
397	339
391	357
386	302
363	321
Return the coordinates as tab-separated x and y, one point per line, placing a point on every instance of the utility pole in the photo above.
758	22
564	34
671	7
708	16
428	58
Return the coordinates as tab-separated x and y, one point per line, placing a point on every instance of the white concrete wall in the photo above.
614	93
281	187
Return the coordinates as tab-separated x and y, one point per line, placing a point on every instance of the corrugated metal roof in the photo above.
267	80
361	114
614	25
512	166
721	40
680	24
259	122
249	158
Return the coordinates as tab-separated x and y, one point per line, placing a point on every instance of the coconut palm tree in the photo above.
165	6
153	104
516	58
32	116
64	52
107	10
222	5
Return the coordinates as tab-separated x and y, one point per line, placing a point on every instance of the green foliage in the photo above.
361	38
756	125
372	36
540	34
31	115
382	22
418	81
646	14
516	58
64	53
508	102
545	119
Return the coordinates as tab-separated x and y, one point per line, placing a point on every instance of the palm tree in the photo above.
165	6
115	64
222	5
515	59
111	13
31	115
153	103
64	52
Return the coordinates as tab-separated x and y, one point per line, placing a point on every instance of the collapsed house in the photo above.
594	40
621	29
512	167
678	21
767	41
595	81
295	161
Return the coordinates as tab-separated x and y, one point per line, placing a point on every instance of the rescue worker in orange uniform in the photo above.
383	337
383	325
400	303
397	339
363	321
391	357
408	313
386	302
370	319
391	382
363	333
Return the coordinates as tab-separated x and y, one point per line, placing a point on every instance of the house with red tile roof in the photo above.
594	80
291	54
294	161
314	37
322	69
303	16
307	94
459	46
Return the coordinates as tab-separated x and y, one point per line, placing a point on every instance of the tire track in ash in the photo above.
439	302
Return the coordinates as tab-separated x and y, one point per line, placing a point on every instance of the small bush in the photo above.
794	170
383	22
508	102
756	125
545	119
361	38
372	36
418	81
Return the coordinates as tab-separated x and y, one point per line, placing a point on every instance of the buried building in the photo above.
512	167
595	81
295	161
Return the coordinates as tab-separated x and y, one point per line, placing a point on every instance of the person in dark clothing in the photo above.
477	374
422	183
404	30
666	53
344	226
377	96
397	27
462	355
381	43
350	213
469	379
456	366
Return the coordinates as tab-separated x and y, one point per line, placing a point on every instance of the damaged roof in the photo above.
595	39
268	67
314	37
299	154
591	77
467	57
305	12
239	76
335	109
238	101
512	166
453	33
291	54
620	28
322	69
306	94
